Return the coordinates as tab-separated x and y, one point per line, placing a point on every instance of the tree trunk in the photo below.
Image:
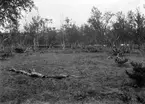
34	44
63	45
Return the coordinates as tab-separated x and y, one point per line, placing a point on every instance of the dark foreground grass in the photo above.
100	80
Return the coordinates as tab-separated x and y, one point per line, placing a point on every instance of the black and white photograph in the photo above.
72	51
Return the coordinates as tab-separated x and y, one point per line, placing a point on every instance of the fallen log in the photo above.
37	75
58	77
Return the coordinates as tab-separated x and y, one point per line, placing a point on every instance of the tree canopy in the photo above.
11	10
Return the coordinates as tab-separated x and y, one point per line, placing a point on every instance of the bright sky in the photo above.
80	10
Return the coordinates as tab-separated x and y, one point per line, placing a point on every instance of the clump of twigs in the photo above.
115	51
120	60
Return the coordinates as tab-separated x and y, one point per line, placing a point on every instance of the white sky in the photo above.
80	10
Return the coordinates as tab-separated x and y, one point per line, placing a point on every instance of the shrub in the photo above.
91	49
138	74
19	50
136	65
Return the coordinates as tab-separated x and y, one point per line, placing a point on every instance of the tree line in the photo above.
107	28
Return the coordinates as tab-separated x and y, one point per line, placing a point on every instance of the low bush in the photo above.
138	74
19	50
91	49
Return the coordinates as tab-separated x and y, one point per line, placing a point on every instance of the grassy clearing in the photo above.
100	80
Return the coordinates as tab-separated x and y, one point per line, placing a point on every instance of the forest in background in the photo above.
108	29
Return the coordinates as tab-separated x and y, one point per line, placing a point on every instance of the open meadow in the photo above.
72	52
93	79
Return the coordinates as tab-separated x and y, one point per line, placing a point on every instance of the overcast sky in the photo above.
79	10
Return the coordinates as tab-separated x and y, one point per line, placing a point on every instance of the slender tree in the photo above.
99	23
